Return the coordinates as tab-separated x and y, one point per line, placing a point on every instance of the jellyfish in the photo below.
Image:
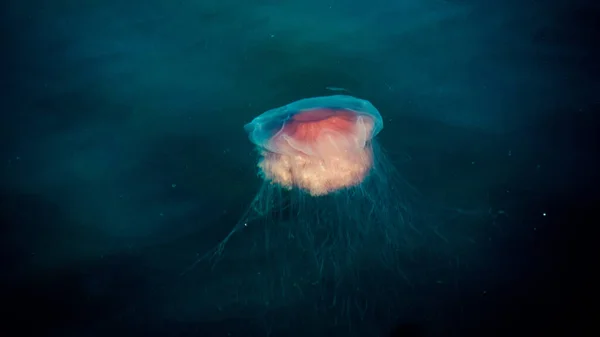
331	207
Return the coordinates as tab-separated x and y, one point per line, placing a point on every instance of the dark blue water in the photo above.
123	159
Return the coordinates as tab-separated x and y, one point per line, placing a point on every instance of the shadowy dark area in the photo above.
81	297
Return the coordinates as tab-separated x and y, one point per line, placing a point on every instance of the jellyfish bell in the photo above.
318	145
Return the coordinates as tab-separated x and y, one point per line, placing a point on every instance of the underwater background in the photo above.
123	159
